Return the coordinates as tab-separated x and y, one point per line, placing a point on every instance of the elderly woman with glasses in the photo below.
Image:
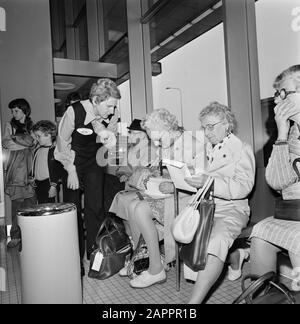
231	163
271	235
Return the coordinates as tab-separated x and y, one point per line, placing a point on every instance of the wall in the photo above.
26	61
26	57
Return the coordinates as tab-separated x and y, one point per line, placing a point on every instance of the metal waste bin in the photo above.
49	254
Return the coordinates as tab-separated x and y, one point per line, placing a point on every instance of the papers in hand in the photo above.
178	171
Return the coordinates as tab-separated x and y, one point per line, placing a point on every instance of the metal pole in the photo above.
181	105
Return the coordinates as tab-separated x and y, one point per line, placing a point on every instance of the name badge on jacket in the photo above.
84	131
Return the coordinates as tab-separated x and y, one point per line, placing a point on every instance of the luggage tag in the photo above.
97	261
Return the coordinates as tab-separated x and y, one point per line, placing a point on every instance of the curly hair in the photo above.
163	118
224	112
103	89
46	127
293	73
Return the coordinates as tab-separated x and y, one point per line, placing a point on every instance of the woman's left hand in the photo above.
197	181
166	187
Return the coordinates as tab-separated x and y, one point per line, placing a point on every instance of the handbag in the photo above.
111	249
288	210
186	223
194	254
271	291
139	261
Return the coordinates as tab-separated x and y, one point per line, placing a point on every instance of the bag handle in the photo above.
295	167
259	281
207	187
201	192
107	221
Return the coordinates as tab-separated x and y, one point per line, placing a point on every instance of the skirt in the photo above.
285	234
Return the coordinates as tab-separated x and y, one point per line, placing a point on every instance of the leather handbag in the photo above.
266	289
112	248
194	254
186	223
288	210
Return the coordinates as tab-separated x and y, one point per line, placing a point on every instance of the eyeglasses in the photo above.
210	127
282	94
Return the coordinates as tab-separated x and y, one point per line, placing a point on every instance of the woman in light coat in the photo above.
231	163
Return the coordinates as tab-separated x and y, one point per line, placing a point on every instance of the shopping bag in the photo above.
194	254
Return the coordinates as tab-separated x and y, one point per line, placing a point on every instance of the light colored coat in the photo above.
232	165
233	168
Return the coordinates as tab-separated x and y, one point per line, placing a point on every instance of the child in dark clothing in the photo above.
46	170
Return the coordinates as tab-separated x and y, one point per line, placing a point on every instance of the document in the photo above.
178	171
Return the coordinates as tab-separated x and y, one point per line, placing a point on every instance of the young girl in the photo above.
18	142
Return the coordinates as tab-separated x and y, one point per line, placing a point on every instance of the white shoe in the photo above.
236	274
123	271
145	279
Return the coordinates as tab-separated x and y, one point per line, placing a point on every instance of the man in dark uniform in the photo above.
84	128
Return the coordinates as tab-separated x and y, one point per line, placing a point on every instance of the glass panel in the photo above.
69	29
278	41
195	75
115	21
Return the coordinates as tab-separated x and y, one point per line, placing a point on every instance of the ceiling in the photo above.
172	24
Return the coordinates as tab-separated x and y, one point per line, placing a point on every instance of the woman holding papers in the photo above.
232	165
150	208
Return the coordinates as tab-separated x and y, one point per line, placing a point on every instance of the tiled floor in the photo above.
116	290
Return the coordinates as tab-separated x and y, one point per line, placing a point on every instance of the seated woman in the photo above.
232	165
140	153
142	211
272	235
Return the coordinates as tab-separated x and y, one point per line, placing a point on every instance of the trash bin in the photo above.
49	254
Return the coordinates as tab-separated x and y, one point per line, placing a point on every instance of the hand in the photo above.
283	113
154	171
107	138
166	187
113	123
197	181
191	169
123	178
73	182
52	192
